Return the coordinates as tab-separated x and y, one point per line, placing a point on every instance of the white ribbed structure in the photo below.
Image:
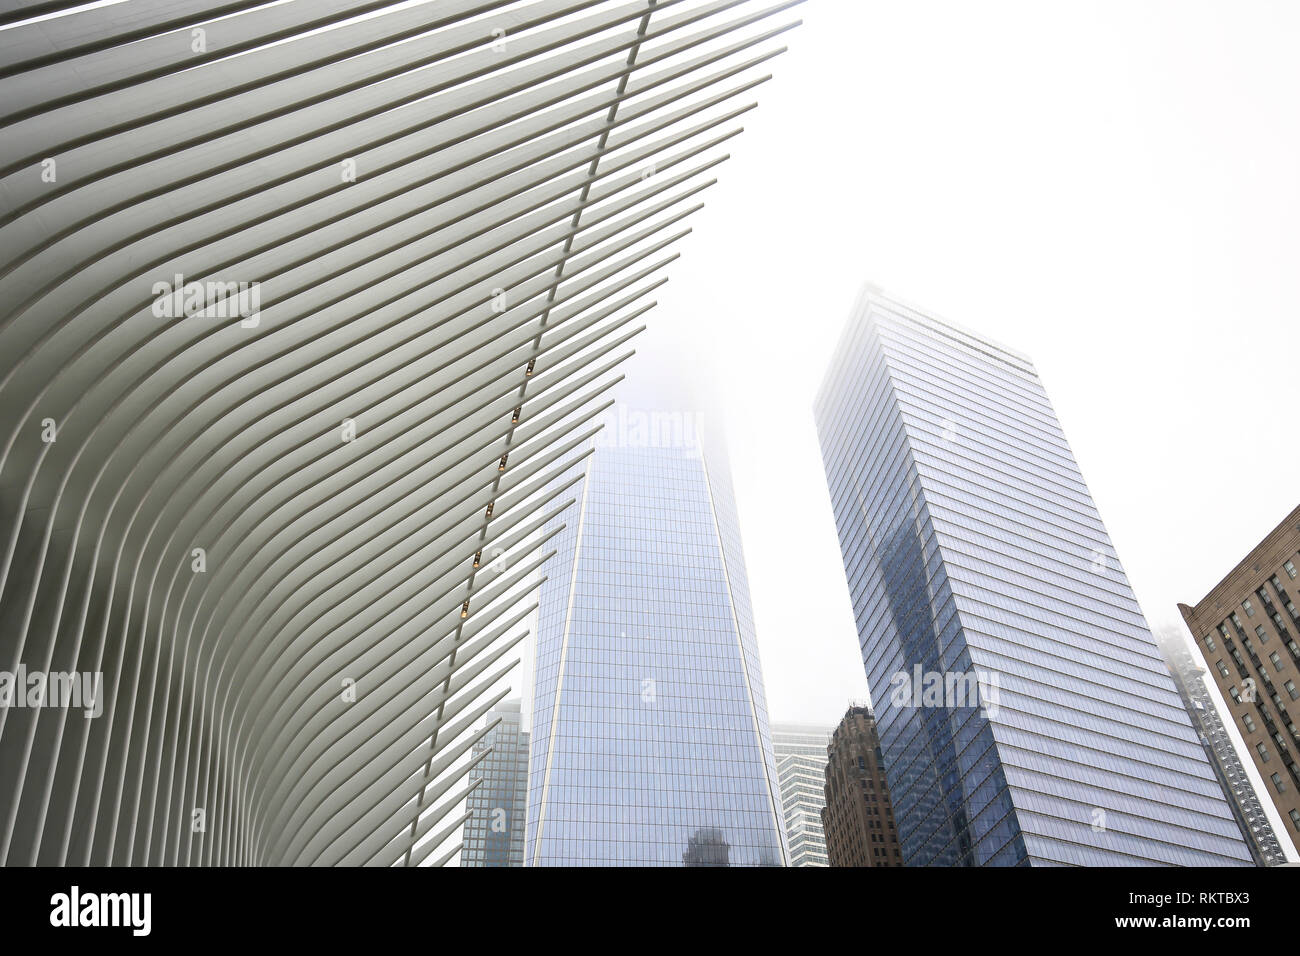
297	533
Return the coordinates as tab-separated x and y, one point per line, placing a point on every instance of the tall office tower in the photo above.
494	831
650	741
858	816
800	753
1246	809
1025	714
300	305
1247	630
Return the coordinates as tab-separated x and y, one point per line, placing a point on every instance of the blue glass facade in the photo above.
494	833
650	741
972	546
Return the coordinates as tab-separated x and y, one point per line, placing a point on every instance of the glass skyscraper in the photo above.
974	551
494	833
650	742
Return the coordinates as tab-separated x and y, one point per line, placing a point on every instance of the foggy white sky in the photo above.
1112	188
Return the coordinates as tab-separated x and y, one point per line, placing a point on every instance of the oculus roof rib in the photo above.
304	310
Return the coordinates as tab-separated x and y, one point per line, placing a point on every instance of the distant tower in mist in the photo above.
650	742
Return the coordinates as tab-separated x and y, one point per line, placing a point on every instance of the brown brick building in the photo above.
1248	630
858	818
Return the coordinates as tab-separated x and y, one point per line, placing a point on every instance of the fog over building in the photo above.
650	739
1188	675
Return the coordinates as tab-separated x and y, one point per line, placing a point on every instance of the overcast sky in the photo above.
1112	188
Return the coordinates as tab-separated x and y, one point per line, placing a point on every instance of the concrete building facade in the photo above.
858	818
1246	629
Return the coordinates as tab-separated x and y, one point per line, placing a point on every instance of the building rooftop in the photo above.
1241	578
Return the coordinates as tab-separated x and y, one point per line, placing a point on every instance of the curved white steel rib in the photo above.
266	523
